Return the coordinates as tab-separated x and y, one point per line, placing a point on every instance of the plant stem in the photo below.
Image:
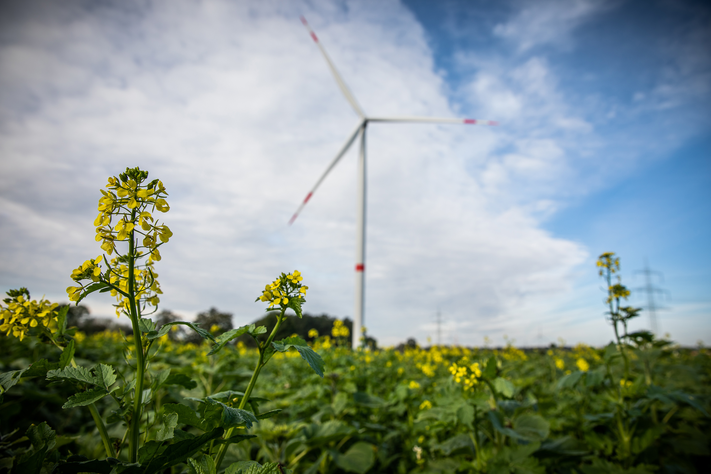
133	440
252	382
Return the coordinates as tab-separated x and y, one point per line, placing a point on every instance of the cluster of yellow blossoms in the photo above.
459	373
22	313
339	329
284	288
130	204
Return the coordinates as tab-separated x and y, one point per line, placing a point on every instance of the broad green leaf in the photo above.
67	353
146	325
569	381
202	465
186	415
532	427
160	378
10	379
465	415
497	421
40	368
368	400
594	377
490	370
41	436
359	458
504	387
241	466
179	452
75	374
314	360
83	399
165	431
295	304
460	441
232	417
105	376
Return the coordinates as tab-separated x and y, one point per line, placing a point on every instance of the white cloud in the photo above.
549	22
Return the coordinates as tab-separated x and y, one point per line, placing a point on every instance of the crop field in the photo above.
442	409
169	396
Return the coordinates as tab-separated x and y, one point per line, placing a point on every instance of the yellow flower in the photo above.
559	364
413	385
313	333
426	405
583	365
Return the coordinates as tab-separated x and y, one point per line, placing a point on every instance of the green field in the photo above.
548	410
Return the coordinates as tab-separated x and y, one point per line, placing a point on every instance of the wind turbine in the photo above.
359	133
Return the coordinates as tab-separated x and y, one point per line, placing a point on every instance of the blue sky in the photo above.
604	145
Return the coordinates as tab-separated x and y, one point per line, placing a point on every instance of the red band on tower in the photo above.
360	267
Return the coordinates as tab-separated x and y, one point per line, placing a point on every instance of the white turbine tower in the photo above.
359	132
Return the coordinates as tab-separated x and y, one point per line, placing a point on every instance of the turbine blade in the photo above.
341	84
433	120
339	155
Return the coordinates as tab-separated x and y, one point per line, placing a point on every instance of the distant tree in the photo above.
207	320
293	325
78	316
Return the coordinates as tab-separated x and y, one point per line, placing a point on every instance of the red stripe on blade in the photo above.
360	267
303	20
313	35
293	218
308	196
493	123
469	121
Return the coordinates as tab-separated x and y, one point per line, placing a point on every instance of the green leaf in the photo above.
159	379
182	380
232	417
465	415
490	370
532	427
295	304
105	376
166	327
179	452
359	458
186	415
75	374
241	466
10	379
497	421
83	399
39	368
165	431
100	285
62	320
202	465
314	360
268	414
41	436
67	353
504	387
569	381
146	325
226	337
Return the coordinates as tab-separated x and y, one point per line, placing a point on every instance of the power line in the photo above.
651	290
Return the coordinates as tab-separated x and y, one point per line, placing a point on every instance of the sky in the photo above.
604	145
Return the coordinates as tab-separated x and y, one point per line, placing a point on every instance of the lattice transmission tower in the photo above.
651	290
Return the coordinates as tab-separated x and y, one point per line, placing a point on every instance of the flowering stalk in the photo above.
125	212
285	292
